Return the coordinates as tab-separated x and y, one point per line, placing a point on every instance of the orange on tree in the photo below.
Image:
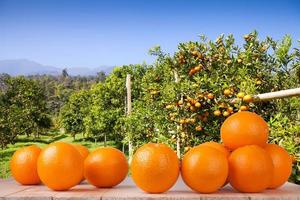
244	108
105	167
226	113
244	128
227	92
60	166
248	98
199	128
210	95
197	104
217	113
240	95
198	68
258	82
250	169
23	165
229	109
155	168
282	163
204	169
169	106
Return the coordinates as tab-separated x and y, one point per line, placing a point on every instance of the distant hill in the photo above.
28	67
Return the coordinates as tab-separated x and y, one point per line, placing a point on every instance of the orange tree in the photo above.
187	96
107	106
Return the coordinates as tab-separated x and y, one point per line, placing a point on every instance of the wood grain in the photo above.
10	190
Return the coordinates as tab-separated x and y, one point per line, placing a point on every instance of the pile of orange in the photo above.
61	166
244	160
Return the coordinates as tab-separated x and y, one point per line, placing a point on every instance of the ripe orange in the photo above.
227	92
204	169
244	108
84	152
60	166
155	168
226	114
244	128
240	95
248	98
105	167
217	146
197	104
229	109
217	113
23	165
282	164
199	128
250	169
210	95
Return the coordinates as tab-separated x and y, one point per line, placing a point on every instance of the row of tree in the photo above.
31	105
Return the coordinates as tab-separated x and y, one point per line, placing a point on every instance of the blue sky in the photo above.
78	33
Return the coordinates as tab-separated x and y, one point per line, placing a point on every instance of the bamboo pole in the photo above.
128	87
277	95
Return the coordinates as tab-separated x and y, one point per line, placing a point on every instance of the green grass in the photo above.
42	141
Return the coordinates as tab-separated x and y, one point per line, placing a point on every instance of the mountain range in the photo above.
25	67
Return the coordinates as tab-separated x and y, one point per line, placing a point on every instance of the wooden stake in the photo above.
128	87
176	77
277	95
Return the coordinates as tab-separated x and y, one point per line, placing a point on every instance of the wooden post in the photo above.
277	95
128	87
176	77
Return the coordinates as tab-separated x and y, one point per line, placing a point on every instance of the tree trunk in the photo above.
105	139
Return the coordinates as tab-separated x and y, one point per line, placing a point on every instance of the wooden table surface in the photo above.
9	189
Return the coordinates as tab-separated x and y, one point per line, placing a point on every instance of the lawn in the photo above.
42	141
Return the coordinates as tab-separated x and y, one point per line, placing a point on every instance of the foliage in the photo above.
23	109
73	112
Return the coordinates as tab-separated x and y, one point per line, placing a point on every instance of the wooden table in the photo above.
9	189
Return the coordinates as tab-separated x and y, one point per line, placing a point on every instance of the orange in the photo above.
282	163
244	128
204	169
84	152
155	168
217	146
60	166
23	165
250	169
105	167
